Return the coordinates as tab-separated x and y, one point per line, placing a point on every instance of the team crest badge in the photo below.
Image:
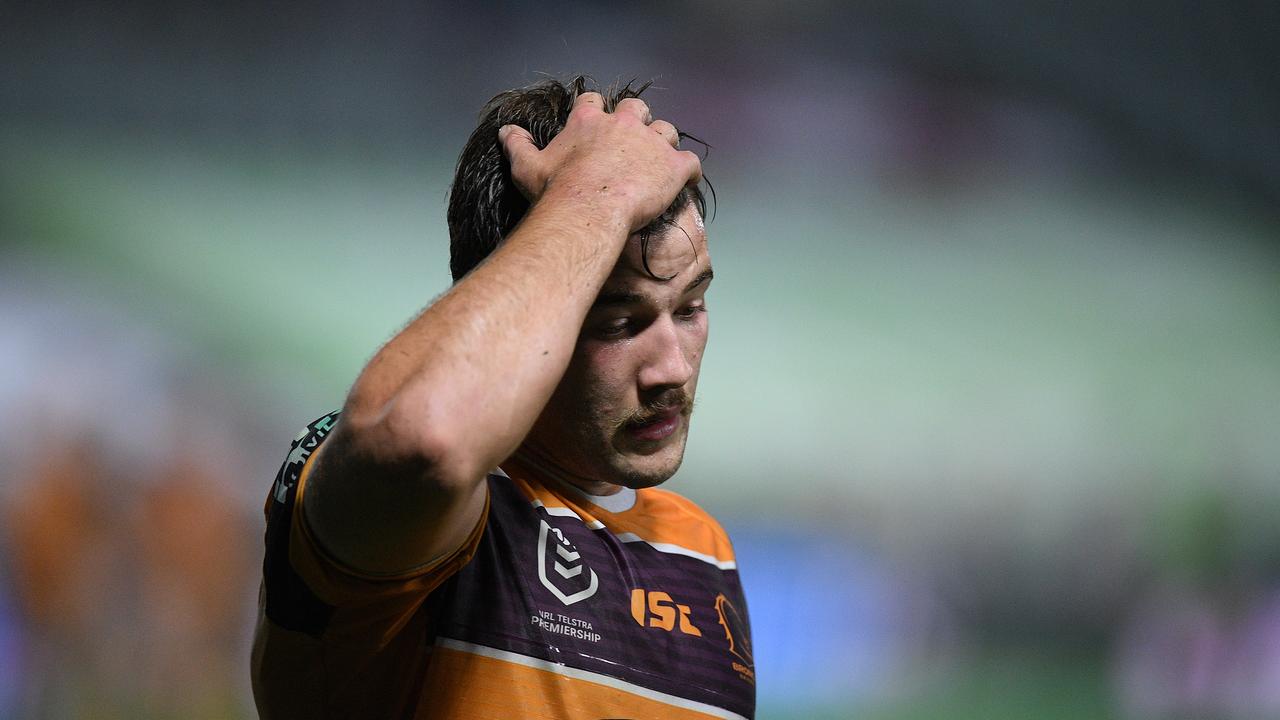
735	630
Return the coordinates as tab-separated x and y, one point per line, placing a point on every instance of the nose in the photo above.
665	363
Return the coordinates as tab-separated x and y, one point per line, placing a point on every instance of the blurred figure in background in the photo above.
63	547
127	543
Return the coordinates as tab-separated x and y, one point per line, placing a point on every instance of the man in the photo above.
479	536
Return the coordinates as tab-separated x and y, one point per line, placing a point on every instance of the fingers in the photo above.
667	131
693	167
598	149
593	99
635	107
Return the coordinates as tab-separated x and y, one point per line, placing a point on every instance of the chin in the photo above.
648	470
646	466
639	481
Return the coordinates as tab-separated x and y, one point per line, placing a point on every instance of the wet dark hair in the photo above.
484	202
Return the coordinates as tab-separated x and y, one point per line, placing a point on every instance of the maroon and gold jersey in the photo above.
556	606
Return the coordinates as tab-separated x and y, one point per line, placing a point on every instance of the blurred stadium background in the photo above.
992	406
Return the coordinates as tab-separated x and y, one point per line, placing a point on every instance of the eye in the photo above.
689	312
615	328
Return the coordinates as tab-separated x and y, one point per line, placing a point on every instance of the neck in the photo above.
532	460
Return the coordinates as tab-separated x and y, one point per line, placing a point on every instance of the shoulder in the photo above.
674	503
671	516
304	444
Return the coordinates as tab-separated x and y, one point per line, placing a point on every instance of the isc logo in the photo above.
661	612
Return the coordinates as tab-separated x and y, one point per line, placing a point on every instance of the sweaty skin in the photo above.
400	482
620	415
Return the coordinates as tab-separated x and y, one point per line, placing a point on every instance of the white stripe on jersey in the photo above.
678	550
587	676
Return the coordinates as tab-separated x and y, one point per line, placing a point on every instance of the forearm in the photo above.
462	384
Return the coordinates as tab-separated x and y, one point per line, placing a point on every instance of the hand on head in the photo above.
623	162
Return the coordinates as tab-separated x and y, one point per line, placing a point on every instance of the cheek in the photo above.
598	372
695	350
697	342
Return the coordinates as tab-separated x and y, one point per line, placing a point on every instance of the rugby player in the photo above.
477	534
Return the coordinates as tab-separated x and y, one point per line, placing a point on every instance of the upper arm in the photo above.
323	616
383	513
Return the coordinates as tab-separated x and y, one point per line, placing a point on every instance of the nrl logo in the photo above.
568	567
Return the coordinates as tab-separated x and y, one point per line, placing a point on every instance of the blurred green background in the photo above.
992	401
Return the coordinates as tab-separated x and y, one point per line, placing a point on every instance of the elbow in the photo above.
413	439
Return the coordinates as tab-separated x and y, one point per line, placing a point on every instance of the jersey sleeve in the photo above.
306	590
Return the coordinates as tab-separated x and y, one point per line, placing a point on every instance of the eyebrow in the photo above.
609	299
704	276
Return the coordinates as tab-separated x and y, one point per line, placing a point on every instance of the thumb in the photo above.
516	142
522	154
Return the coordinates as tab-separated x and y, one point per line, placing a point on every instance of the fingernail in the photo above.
503	132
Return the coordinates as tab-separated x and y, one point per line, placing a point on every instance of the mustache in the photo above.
662	405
